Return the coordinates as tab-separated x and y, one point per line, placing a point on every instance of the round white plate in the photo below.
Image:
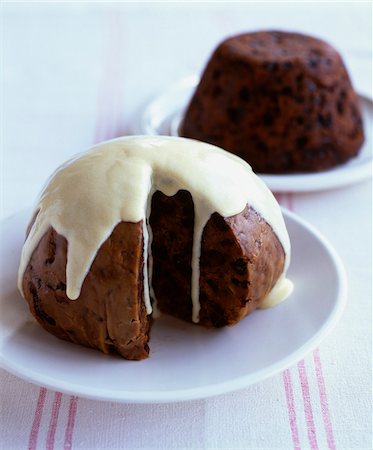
186	361
165	113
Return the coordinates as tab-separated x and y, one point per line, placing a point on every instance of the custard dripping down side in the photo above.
87	197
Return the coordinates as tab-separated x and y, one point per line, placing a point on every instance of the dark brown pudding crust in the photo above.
241	260
281	101
109	314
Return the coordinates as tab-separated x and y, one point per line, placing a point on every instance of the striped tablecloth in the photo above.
76	74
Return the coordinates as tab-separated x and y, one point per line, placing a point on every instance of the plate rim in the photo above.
336	177
189	394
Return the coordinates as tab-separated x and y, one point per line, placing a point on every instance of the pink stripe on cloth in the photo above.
323	400
117	76
53	420
33	439
286	376
111	84
311	431
289	200
70	423
278	196
103	108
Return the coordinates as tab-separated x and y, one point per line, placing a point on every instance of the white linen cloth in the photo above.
75	74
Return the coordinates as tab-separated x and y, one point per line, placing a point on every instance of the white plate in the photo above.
164	115
186	361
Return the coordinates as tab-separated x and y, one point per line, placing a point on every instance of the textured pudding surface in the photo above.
110	314
143	220
282	101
